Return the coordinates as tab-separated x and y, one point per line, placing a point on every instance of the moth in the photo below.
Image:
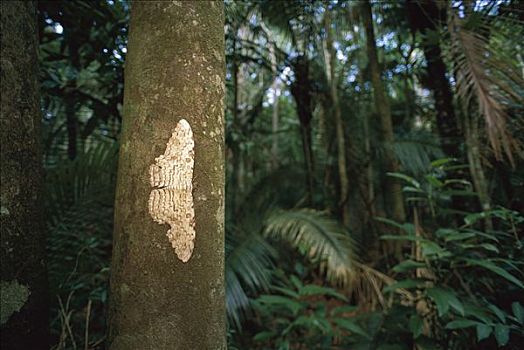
171	200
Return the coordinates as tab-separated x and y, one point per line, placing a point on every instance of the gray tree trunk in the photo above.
174	70
24	301
392	186
330	58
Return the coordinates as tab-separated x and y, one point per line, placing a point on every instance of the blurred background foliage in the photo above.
316	255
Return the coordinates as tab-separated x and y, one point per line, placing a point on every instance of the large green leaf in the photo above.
483	331
496	269
444	298
501	334
352	326
461	323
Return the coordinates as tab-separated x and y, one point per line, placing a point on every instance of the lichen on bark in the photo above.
174	70
13	296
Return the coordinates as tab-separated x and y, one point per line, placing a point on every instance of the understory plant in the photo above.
458	286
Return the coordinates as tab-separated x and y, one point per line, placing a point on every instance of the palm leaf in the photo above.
416	150
249	260
486	74
321	238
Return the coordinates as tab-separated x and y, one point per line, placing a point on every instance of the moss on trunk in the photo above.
24	321
174	70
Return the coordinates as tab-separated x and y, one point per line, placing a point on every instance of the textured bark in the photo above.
425	16
174	70
275	86
301	91
476	169
330	58
392	187
24	309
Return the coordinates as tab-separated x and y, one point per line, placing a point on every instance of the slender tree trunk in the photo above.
330	58
301	91
24	299
234	144
274	117
425	16
71	125
392	186
471	130
174	71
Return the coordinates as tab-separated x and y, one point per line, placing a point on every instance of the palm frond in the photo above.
319	237
249	259
91	174
79	198
486	74
416	150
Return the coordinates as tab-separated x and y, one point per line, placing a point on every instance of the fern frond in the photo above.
321	238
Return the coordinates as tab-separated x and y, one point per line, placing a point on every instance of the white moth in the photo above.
171	200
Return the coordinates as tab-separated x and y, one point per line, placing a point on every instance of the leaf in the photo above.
393	223
277	300
407	265
461	323
452	235
312	289
412	189
498	312
406	178
501	334
480	313
432	248
490	247
433	181
444	298
404	284
518	311
496	269
324	239
351	326
343	309
440	162
416	325
483	331
262	336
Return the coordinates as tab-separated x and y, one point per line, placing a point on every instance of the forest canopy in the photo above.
373	158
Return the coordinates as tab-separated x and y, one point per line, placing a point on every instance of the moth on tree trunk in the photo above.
168	292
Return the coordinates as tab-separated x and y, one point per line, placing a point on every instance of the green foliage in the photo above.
466	281
82	50
318	237
454	283
79	201
299	314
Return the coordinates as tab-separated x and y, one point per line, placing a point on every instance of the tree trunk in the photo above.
425	16
24	306
174	71
234	144
476	169
274	116
330	58
301	91
392	187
